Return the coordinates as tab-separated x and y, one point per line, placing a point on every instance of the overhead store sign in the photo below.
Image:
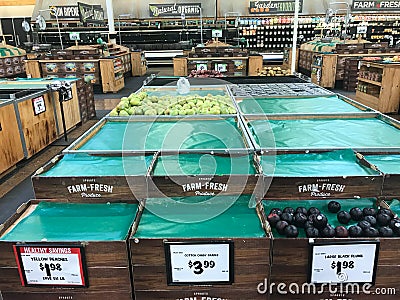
90	14
175	9
274	7
376	5
64	12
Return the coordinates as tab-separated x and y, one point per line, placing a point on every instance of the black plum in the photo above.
312	232
334	206
313	211
302	210
383	219
289	210
371	220
328	232
291	231
369	211
341	232
272	219
287	217
280	227
277	211
371	232
356	214
355	231
385	231
320	221
364	224
343	217
300	220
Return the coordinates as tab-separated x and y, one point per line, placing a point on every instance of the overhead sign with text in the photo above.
175	9
343	262
376	5
45	265
274	7
64	12
90	14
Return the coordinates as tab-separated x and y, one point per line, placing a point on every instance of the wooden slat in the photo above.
11	147
16	3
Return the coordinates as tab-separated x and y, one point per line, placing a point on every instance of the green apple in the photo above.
139	111
114	113
123	113
131	111
135	101
174	112
215	111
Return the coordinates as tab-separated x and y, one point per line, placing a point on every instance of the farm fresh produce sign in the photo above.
273	7
376	5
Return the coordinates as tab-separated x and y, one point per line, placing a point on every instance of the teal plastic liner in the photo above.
203	164
330	104
388	164
324	133
239	221
31	83
87	165
322	205
334	163
57	222
167	135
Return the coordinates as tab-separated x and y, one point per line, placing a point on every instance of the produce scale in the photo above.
213	194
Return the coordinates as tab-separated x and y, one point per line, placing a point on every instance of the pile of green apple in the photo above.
143	104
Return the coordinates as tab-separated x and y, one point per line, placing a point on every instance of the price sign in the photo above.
74	36
353	262
41	265
221	67
362	29
201	67
199	263
216	33
39	105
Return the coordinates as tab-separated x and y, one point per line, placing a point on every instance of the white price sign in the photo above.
39	105
347	263
201	67
51	265
194	263
221	67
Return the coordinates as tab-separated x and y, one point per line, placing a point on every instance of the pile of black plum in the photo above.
371	222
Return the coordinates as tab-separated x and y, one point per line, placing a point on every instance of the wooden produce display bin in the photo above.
139	63
389	165
379	86
371	132
328	104
180	66
35	112
11	150
223	255
56	250
315	175
93	179
370	261
12	61
201	173
112	78
255	65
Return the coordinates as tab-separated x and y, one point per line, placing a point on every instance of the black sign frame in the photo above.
21	269
376	6
35	112
335	243
167	251
275	7
174	10
93	9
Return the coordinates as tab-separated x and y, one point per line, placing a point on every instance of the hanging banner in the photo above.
274	7
175	9
376	5
90	14
64	12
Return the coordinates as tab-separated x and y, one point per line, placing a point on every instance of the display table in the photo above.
379	86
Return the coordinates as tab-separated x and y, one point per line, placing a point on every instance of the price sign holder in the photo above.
42	265
361	257
201	256
39	106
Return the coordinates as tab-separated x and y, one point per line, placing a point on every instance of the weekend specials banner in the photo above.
376	5
274	7
174	9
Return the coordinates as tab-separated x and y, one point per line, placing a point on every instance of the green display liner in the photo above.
183	134
64	222
239	221
330	104
324	164
388	164
87	165
203	164
322	205
325	133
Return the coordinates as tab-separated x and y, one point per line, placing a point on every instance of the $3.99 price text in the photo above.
198	267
